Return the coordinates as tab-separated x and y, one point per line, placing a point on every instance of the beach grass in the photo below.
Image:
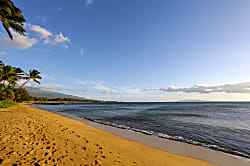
7	103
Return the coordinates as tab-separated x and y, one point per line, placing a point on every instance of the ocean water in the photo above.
223	126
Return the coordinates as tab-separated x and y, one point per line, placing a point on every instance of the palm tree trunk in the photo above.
22	87
24	84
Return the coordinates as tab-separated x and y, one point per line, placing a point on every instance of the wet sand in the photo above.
31	136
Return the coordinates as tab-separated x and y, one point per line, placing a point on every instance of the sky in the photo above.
136	50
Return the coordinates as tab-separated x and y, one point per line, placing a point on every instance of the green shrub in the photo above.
6	104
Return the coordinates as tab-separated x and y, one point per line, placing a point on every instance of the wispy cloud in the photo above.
52	87
42	32
243	87
89	3
128	90
59	9
47	76
119	90
84	82
19	42
44	19
100	86
82	52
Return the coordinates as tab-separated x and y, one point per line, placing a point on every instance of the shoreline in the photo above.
165	144
165	136
154	134
33	135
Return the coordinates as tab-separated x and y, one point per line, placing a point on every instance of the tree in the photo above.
1	64
7	94
11	17
9	75
9	78
22	95
33	75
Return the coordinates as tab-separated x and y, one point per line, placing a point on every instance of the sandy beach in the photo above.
35	137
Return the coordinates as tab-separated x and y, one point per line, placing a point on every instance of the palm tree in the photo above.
9	76
11	17
33	75
7	73
7	94
15	77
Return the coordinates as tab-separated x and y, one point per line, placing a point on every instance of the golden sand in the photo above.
31	136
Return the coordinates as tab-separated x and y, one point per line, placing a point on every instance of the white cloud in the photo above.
25	42
88	2
42	32
19	42
48	37
60	38
243	87
82	52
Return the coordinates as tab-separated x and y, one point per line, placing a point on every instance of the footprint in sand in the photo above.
97	162
9	153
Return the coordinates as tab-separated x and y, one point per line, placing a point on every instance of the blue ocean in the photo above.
223	126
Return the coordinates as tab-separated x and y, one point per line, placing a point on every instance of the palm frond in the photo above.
7	30
35	80
17	28
11	17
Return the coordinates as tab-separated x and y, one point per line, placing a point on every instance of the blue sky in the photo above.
136	50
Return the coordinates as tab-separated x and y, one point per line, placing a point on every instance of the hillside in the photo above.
35	92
